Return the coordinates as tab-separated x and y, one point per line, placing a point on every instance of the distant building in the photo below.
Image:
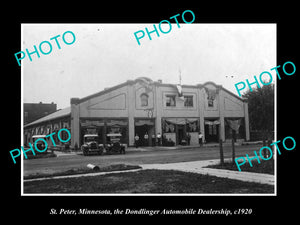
143	106
34	111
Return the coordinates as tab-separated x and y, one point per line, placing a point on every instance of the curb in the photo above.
81	175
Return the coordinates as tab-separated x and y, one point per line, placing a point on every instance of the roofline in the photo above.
131	82
232	94
47	120
104	91
201	86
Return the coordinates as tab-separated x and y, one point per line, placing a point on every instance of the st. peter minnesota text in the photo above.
142	211
84	211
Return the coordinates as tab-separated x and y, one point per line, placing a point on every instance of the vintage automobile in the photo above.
40	144
114	145
91	145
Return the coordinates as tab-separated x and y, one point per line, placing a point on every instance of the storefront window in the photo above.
118	126
169	127
237	124
102	127
192	126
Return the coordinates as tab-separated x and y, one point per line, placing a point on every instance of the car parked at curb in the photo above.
40	145
91	145
114	145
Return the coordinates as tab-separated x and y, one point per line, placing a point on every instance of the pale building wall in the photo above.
111	104
125	102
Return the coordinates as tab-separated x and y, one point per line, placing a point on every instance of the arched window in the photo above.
144	99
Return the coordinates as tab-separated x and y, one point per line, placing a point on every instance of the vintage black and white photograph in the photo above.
171	108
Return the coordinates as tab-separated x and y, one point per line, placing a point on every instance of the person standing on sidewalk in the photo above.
188	138
146	138
136	140
200	139
158	139
153	140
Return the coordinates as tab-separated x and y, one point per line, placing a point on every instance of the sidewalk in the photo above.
65	153
134	149
159	148
208	145
197	167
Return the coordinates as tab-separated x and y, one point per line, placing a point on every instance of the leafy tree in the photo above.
261	109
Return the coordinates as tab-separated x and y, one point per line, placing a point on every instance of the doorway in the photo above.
212	132
181	135
144	127
141	131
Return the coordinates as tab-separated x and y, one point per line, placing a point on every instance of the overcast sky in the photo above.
105	55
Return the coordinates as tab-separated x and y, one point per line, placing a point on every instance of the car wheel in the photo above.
85	152
123	150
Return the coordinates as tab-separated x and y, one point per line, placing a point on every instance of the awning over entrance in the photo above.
101	123
211	122
181	121
178	121
89	123
234	124
141	122
116	123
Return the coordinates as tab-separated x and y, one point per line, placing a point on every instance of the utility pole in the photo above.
233	151
233	147
221	152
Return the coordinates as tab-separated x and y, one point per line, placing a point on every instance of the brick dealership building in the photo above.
143	106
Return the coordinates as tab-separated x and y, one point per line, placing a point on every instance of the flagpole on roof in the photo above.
179	87
179	76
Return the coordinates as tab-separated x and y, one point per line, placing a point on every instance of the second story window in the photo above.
170	100
211	96
188	101
144	99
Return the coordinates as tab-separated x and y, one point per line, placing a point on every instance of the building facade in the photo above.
143	106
